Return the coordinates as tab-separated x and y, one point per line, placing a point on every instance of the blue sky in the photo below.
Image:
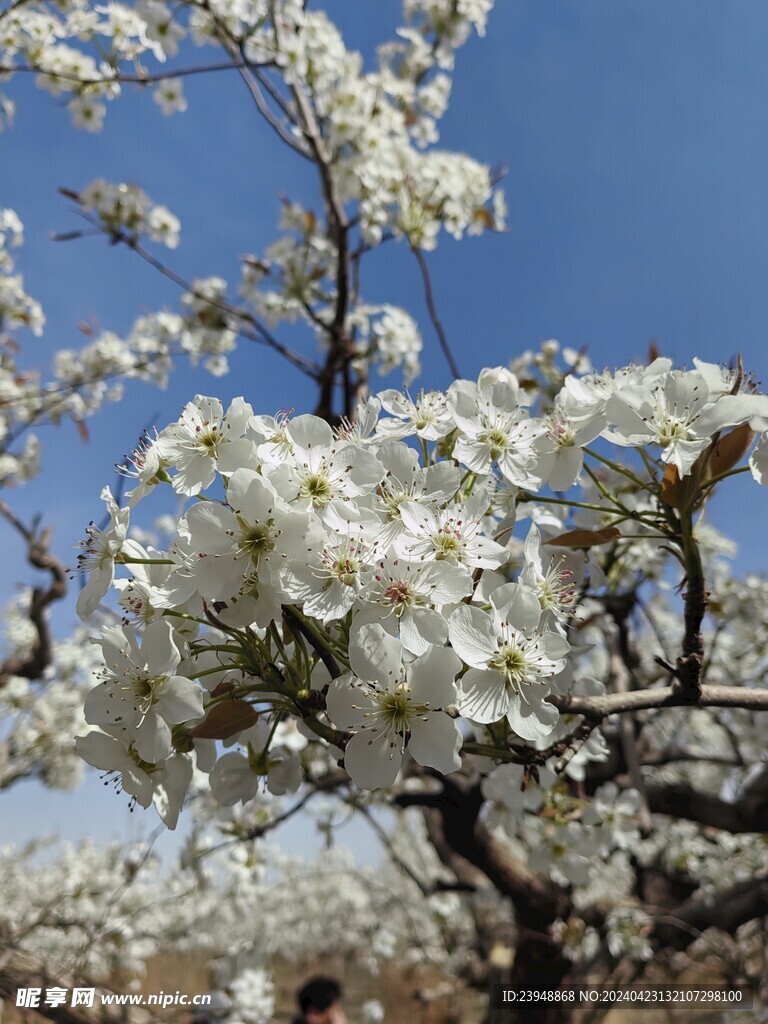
635	133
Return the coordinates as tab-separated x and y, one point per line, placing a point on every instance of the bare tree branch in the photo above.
136	79
679	800
434	316
725	911
745	697
33	662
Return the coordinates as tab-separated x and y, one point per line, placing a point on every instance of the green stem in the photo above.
618	468
497	753
650	467
223	648
425	451
219	668
604	491
184	615
326	732
126	560
534	498
722	476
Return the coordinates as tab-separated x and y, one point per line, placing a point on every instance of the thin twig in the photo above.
433	314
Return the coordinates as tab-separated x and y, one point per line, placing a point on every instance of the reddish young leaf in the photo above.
225	720
730	449
673	489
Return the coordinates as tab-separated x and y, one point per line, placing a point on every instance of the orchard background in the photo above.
429	640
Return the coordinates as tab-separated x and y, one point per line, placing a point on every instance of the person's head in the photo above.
320	1001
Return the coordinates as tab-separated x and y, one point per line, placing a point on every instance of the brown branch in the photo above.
261	335
607	704
623	662
434	316
253	82
679	800
341	349
145	79
33	663
321	651
386	841
726	911
324	784
459	805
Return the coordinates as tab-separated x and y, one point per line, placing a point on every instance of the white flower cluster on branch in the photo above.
362	582
106	911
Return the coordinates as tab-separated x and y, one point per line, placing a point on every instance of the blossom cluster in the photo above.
123	906
84	379
365	585
375	143
126	207
375	124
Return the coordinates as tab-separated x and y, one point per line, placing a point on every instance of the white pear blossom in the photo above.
237	777
559	449
326	582
166	784
493	427
406	597
510	662
323	475
169	96
678	413
454	535
555	582
141	694
406	480
394	706
205	439
427	416
99	551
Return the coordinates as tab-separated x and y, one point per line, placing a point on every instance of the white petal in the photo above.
431	677
347	704
436	742
532	721
153	739
210	527
99	582
159	652
102	751
232	780
473	635
371	762
362	470
233	454
171	789
566	468
250	495
482	696
103	707
180	700
517	605
310	432
422	627
444	583
758	461
374	654
418	519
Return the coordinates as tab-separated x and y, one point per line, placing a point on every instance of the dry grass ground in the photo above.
409	996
